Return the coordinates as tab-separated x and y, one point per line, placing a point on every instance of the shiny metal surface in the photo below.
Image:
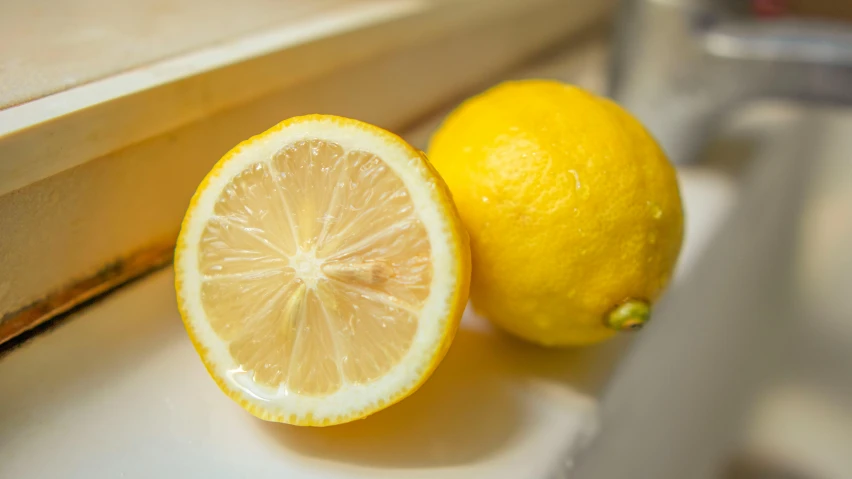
681	65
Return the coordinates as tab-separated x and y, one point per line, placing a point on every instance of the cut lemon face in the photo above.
321	271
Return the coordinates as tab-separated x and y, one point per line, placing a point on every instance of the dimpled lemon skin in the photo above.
571	206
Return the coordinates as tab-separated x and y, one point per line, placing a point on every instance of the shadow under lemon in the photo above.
471	407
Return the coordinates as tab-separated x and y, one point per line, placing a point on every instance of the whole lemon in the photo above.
572	208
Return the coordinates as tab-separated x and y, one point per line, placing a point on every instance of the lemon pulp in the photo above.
314	267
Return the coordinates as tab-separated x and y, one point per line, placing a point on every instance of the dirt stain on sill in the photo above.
19	326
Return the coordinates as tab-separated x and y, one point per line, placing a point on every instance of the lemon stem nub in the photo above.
630	315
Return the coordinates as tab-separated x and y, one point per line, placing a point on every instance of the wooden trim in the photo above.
60	131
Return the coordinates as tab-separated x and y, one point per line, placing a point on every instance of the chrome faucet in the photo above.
680	64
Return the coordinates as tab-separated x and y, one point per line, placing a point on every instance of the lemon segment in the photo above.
321	271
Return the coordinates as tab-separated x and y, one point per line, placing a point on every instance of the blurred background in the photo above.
112	112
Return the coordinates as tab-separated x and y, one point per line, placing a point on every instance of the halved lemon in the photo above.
321	271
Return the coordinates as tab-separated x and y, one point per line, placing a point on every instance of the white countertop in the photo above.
116	390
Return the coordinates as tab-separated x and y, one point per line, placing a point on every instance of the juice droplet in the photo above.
577	184
656	211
